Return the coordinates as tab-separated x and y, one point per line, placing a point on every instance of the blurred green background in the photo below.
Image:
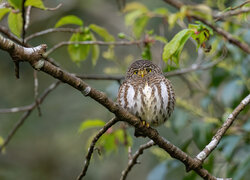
50	146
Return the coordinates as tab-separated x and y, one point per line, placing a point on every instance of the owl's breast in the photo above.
148	101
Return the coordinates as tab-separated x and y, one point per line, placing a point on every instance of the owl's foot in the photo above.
144	123
138	133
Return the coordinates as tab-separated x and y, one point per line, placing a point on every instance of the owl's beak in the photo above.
142	73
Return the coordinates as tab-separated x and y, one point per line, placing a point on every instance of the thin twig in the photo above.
36	92
117	43
224	15
14	130
51	30
219	134
27	17
133	159
27	113
92	146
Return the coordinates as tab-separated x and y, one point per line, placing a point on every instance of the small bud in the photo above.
121	35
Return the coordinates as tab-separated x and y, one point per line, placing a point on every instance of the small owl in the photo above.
147	94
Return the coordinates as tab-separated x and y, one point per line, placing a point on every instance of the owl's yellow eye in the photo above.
148	70
135	72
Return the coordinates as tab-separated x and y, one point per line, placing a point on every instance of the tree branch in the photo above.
27	113
92	146
45	66
221	16
133	159
245	47
217	137
103	43
51	30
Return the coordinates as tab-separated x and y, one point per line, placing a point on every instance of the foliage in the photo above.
204	98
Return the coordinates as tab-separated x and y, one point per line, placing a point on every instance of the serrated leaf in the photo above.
70	19
17	4
102	32
90	123
173	49
79	52
35	3
3	12
15	22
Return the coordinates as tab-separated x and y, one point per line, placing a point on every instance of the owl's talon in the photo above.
144	123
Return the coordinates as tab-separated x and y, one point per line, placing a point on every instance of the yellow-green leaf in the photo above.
35	3
15	22
17	4
91	123
102	32
135	6
3	12
1	143
70	19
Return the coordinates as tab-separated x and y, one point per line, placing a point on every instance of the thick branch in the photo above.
100	97
133	159
219	134
92	146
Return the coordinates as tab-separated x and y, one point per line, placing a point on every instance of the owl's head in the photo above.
142	69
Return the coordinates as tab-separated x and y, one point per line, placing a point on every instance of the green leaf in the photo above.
146	53
17	4
95	51
161	11
173	49
15	22
70	19
35	3
3	12
102	32
79	52
139	25
132	16
161	39
90	123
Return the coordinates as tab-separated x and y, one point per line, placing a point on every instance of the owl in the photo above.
147	94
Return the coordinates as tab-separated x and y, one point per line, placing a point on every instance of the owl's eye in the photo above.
136	72
148	70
